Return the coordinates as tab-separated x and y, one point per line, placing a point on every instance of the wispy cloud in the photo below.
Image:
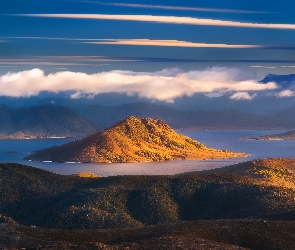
172	43
168	19
41	63
101	59
163	85
262	66
181	8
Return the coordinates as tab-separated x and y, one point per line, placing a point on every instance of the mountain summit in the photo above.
132	140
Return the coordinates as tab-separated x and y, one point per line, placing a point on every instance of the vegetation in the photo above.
132	140
218	210
271	172
35	197
212	234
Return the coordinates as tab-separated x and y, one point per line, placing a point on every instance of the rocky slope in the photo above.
43	121
132	140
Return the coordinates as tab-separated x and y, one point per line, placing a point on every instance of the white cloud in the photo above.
242	96
168	19
286	93
163	85
173	43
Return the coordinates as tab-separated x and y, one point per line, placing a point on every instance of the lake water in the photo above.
15	150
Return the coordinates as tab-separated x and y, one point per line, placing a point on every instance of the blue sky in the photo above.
89	36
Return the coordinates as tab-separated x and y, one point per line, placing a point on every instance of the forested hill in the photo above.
32	196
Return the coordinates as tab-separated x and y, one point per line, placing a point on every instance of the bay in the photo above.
15	150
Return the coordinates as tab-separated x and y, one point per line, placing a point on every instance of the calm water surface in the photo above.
15	150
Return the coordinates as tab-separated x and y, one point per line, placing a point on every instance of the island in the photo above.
132	140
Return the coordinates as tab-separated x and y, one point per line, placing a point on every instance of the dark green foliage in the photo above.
36	197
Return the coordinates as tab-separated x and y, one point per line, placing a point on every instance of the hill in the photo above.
132	140
208	210
43	121
210	234
275	172
32	196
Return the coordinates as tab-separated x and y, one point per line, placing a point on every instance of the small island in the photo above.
289	135
132	140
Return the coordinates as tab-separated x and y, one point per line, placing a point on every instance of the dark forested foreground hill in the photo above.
208	234
36	197
221	210
43	121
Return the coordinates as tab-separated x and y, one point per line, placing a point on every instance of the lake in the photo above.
15	150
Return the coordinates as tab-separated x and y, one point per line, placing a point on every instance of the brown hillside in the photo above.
279	172
133	140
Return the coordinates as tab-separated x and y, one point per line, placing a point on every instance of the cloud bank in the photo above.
168	19
164	85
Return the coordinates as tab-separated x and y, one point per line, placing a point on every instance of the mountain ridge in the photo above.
43	121
186	119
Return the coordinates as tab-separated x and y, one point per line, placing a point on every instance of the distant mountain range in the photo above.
58	121
132	140
188	119
43	121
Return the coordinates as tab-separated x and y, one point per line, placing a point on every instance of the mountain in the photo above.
43	121
186	119
284	81
132	140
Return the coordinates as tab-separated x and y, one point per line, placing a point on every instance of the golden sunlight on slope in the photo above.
144	140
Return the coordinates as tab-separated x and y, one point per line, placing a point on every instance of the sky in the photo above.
157	49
